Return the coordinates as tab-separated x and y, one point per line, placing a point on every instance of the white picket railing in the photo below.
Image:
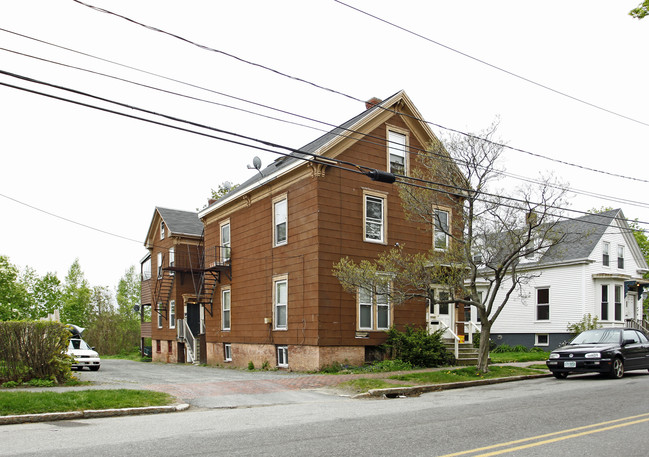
185	333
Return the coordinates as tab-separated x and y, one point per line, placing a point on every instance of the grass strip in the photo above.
365	384
463	374
14	402
505	357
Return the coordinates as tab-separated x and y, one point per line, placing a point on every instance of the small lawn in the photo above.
463	374
504	357
17	402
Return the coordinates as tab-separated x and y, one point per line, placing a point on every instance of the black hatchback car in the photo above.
605	350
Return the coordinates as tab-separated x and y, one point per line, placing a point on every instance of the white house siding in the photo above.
575	290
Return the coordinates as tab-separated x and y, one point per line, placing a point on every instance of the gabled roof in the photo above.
177	223
319	146
583	234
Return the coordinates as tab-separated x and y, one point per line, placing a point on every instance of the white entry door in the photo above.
630	305
441	315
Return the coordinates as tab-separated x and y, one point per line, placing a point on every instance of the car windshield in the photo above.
599	336
79	344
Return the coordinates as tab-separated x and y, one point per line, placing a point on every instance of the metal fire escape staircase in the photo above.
163	288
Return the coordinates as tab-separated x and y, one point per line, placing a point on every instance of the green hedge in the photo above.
33	350
418	347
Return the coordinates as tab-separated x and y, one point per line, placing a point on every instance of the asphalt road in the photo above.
585	415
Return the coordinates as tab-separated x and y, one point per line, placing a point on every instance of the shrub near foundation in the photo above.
33	350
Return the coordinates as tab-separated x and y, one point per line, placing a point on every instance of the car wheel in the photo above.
617	370
94	368
560	375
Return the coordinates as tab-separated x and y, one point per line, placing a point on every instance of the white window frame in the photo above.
159	265
227	352
226	310
172	314
397	146
277	305
382	223
435	228
371	299
225	241
620	256
280	216
538	343
618	291
536	299
282	356
172	259
606	253
604	302
159	314
162	230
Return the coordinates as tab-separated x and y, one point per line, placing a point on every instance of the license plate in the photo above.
569	364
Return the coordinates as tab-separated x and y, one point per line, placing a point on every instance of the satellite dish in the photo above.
256	164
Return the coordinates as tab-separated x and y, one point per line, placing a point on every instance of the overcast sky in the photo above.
98	170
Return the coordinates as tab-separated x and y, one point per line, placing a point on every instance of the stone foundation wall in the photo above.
300	358
165	355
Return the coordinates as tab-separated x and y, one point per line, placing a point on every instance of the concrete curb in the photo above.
90	414
393	392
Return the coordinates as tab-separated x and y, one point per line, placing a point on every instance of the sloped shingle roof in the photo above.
181	222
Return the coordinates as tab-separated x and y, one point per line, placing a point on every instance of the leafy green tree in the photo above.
641	11
76	297
14	302
128	294
44	293
223	189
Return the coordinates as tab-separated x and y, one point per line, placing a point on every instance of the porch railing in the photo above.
184	333
456	339
638	324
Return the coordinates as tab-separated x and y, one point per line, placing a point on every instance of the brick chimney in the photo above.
371	102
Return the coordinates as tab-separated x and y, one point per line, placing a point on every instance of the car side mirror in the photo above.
628	341
93	348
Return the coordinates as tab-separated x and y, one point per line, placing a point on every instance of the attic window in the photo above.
162	230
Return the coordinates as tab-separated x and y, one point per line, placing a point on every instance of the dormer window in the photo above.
605	253
162	230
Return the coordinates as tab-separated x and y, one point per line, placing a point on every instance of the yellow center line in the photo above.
571	430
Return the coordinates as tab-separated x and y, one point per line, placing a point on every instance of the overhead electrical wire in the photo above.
364	139
495	67
412	149
356	168
318	86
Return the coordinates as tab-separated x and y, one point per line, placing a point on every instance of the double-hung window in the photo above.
159	266
280	221
397	152
225	242
374	226
604	313
172	259
620	256
225	309
280	305
172	314
618	303
441	230
162	230
605	253
374	308
159	310
543	304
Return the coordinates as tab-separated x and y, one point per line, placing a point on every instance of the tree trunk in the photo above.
483	351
